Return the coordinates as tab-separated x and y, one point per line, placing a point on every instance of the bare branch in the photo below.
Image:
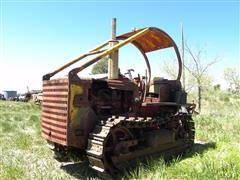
199	59
208	65
191	72
193	57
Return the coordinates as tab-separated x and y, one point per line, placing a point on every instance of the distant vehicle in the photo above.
24	97
2	97
21	97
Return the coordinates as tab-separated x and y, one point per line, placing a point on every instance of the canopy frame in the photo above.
135	39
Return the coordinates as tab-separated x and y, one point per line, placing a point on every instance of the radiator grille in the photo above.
54	110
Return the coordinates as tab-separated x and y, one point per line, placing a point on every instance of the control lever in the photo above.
129	73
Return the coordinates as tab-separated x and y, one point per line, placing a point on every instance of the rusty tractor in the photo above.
118	120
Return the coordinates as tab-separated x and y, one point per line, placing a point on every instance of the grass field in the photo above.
25	155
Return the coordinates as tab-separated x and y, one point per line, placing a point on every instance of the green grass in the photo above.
218	127
25	155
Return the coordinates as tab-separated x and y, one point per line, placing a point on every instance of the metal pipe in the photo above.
91	52
114	29
113	57
110	50
183	68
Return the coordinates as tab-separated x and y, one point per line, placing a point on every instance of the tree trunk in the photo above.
199	98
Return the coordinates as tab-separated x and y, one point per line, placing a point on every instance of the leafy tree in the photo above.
231	76
101	66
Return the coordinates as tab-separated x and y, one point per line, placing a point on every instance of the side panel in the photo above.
54	111
81	116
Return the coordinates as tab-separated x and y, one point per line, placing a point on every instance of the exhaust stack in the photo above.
113	57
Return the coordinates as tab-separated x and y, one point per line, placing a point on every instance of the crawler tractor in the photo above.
118	120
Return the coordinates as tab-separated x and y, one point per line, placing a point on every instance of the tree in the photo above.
101	66
198	70
231	76
171	70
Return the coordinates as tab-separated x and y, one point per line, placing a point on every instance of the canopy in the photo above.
153	39
146	40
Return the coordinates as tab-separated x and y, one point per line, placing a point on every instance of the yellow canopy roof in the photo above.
152	40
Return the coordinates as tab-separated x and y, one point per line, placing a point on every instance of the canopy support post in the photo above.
113	57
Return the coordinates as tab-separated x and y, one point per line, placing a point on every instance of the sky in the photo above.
38	36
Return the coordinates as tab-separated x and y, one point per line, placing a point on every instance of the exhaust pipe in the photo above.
113	57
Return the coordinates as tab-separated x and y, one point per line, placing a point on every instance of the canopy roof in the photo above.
146	40
153	39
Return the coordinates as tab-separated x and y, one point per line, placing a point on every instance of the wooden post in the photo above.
113	57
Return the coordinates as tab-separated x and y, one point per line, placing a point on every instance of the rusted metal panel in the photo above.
56	107
153	40
54	117
56	88
63	81
49	93
57	131
54	104
54	138
56	97
55	110
54	122
54	132
55	100
57	128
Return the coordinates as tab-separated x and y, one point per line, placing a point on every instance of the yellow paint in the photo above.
74	111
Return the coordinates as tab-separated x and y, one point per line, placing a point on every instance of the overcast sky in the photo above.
39	36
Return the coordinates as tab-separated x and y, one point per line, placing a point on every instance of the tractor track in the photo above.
98	158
